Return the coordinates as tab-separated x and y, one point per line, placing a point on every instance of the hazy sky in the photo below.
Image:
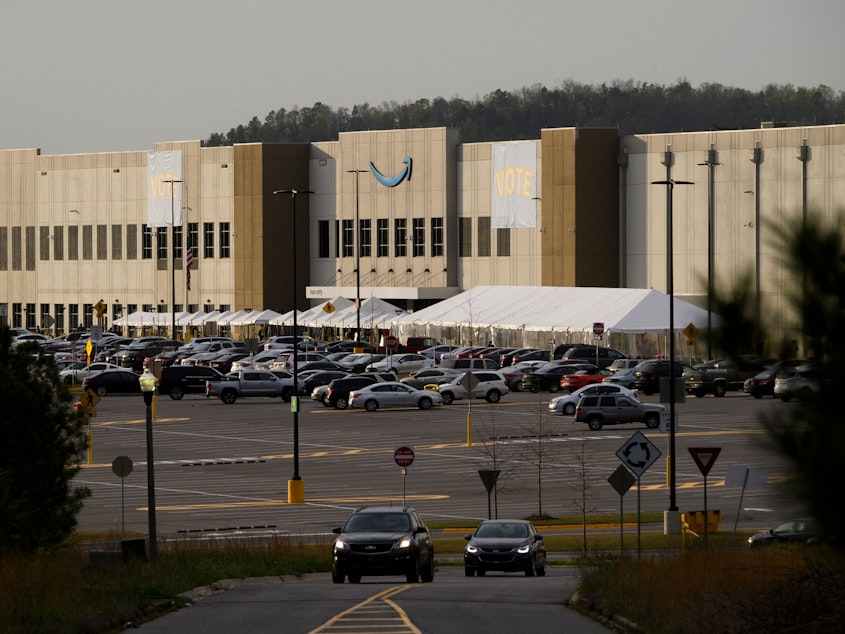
111	75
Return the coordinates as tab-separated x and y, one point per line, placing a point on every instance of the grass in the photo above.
724	587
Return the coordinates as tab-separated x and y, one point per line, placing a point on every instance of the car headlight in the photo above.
405	543
339	544
523	549
471	549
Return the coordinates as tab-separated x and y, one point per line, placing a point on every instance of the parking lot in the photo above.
222	469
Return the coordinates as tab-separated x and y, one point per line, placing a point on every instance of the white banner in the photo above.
162	210
514	184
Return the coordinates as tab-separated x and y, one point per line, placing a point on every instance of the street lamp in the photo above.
671	526
357	257
148	386
172	260
711	164
296	487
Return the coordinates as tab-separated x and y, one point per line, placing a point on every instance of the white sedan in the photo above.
567	403
401	363
393	394
74	375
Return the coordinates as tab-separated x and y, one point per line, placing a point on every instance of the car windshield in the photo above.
378	523
502	530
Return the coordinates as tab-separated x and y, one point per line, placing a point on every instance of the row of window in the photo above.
24	316
64	243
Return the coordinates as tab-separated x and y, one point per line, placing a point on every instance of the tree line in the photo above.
632	107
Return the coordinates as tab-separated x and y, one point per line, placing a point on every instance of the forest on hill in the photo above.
632	107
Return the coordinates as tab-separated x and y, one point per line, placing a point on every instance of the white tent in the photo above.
318	316
259	318
375	313
137	318
553	308
286	319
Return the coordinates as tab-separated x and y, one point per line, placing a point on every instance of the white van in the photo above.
465	364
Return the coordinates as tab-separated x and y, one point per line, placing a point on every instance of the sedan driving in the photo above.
507	546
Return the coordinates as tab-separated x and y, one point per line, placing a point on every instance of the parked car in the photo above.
598	410
403	363
357	362
796	382
798	531
584	376
718	376
321	377
437	352
428	376
549	376
30	337
178	380
223	362
113	382
393	394
647	375
763	383
624	364
462	365
416	344
252	361
337	393
77	375
347	345
378	541
490	387
599	355
507	546
625	377
513	373
531	354
566	403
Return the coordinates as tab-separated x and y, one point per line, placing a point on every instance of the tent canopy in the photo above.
540	308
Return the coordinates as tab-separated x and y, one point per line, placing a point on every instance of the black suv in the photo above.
178	380
547	377
647	375
387	540
339	389
599	355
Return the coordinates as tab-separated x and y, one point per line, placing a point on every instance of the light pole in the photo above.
711	164
148	386
671	523
357	258
296	487
172	261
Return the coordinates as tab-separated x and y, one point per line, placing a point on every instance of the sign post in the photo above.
638	453
621	480
404	457
489	478
705	457
122	467
469	381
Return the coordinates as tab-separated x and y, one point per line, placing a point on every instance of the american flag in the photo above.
189	260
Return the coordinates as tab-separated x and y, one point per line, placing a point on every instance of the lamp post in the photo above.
148	386
357	258
296	487
172	261
711	164
671	524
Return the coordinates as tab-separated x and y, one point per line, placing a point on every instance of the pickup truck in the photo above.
718	376
249	383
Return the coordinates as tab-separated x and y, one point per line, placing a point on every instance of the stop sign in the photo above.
403	456
391	343
598	328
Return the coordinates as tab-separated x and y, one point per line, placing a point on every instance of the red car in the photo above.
581	378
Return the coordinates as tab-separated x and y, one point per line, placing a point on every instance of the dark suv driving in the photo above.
378	541
178	380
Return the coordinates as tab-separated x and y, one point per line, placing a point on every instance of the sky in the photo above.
118	75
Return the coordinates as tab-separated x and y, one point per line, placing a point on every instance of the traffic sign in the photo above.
328	308
598	328
122	466
621	480
638	453
403	456
705	457
391	343
691	331
90	399
469	381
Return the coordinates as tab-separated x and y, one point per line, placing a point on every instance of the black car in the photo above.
113	382
339	389
799	531
506	546
762	384
647	375
322	377
178	380
548	376
603	357
378	541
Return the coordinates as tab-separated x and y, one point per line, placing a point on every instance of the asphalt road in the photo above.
222	470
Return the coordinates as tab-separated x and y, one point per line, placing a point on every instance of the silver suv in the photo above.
491	386
615	409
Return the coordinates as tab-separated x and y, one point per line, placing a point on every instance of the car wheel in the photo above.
448	398
517	387
337	578
531	570
569	409
699	393
287	392
341	403
756	395
785	397
469	572
102	391
371	405
541	570
481	573
354	577
413	574
176	393
425	403
427	575
719	389
228	397
595	423
652	421
493	396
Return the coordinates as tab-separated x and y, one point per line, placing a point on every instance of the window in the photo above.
365	238
436	237
131	308
44	243
161	243
58	243
102	242
4	248
484	237
400	237
419	237
193	243
73	243
337	238
87	315
323	238
117	242
382	238
348	239
503	242
208	239
131	242
30	308
225	238
60	317
465	238
177	242
73	316
17	248
30	250
16	315
44	316
146	242
87	242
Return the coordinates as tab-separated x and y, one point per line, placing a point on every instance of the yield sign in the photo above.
705	457
638	453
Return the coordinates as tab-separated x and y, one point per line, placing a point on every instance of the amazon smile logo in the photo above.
393	181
